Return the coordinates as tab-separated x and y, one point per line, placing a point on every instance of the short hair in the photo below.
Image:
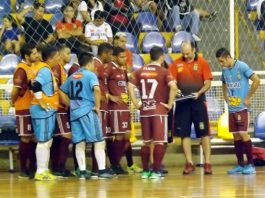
84	58
37	5
104	48
156	53
193	44
48	52
26	49
61	47
222	52
118	35
117	51
99	15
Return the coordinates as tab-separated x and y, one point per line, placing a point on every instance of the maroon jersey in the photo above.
152	81
100	70
117	86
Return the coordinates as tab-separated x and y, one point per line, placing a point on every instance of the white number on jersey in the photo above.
153	88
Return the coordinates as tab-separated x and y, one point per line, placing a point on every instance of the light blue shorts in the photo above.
87	127
44	128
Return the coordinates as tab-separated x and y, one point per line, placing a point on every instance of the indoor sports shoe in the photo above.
207	169
236	170
119	171
134	169
189	168
24	175
155	175
104	174
84	175
94	175
249	169
76	172
145	174
45	176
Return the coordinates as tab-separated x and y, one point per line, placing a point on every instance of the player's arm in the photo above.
64	99
19	77
255	84
225	91
14	95
131	91
173	90
206	86
97	96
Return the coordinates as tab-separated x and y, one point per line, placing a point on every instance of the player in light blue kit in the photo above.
82	88
237	94
43	109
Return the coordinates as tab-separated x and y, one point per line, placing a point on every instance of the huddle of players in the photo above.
41	95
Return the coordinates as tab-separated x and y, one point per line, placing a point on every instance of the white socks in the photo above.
43	155
99	149
80	155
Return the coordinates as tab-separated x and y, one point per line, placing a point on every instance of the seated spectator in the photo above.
93	6
69	30
261	14
120	16
144	5
10	35
120	40
37	29
82	13
98	32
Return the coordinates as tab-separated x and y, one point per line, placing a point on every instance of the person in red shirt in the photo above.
193	76
21	99
62	139
157	92
69	29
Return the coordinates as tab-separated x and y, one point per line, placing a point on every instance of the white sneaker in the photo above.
196	38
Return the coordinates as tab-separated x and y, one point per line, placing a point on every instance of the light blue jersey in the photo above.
44	77
79	88
237	81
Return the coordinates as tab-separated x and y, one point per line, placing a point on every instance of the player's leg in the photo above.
238	145
243	125
159	136
43	129
201	124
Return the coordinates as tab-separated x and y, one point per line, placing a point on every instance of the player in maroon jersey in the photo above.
118	106
157	90
62	139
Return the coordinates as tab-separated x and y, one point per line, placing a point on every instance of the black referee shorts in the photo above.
188	112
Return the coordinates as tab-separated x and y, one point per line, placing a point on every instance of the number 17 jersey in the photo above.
152	81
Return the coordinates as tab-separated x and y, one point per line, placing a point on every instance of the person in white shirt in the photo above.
93	6
82	12
98	32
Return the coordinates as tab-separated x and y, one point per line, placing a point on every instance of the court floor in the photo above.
173	185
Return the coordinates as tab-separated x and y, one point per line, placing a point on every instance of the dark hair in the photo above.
37	5
61	47
26	49
63	9
48	52
156	53
117	51
104	48
11	19
222	52
99	15
84	58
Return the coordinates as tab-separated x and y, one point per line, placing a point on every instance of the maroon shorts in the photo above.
62	124
104	118
154	128
120	121
24	125
239	121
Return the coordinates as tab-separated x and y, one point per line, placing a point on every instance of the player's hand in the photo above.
178	94
247	102
45	106
196	95
96	109
167	106
116	99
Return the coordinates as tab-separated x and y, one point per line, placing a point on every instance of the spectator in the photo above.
93	6
37	29
261	14
98	32
69	30
120	18
82	13
10	35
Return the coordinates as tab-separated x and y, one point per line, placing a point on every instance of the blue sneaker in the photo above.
249	169
236	170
